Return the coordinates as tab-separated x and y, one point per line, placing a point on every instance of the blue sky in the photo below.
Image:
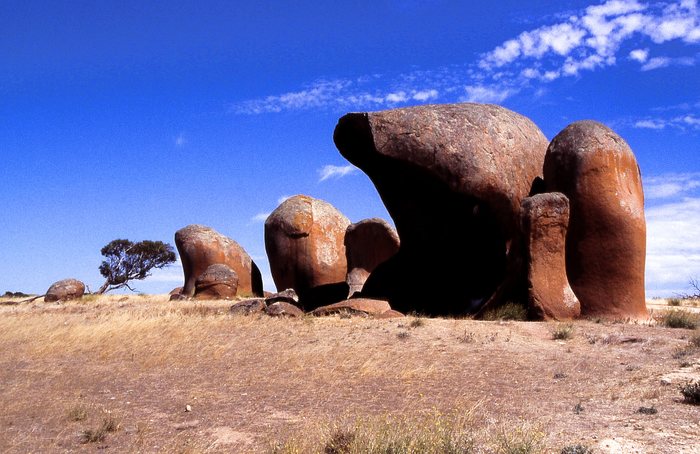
133	119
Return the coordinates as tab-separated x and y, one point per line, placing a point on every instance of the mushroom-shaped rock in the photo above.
304	244
368	243
200	247
217	282
452	178
545	218
63	290
364	306
606	240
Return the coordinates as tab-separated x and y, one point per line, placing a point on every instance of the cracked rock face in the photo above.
606	240
219	281
200	246
452	177
304	243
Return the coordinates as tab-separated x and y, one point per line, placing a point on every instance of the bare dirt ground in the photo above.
249	381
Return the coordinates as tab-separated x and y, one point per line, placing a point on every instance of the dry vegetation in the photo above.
117	373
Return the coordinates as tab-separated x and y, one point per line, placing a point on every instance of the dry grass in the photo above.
255	381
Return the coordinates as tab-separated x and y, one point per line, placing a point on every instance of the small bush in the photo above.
403	335
340	442
563	331
77	413
647	410
674	302
417	323
576	449
679	319
691	392
109	424
467	337
508	311
695	341
522	439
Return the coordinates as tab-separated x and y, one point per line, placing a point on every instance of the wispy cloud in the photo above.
592	39
170	274
282	198
672	185
576	42
180	140
690	121
260	217
331	171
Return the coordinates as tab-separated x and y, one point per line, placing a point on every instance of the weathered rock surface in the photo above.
544	220
283	309
288	296
606	240
355	305
64	290
200	247
452	178
368	243
304	244
249	306
175	291
218	281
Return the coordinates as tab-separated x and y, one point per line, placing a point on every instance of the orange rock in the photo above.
362	305
304	244
217	282
200	246
66	289
606	240
368	243
544	219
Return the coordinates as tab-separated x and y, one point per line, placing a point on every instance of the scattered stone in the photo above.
249	306
304	243
178	297
368	243
283	309
64	290
364	306
219	281
188	408
452	177
606	240
175	291
288	296
390	314
200	247
544	220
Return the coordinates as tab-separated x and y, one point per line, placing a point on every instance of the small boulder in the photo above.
364	306
219	281
544	220
389	314
249	306
175	291
288	296
368	243
282	309
66	289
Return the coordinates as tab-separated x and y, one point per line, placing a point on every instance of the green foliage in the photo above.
674	302
679	319
508	311
126	261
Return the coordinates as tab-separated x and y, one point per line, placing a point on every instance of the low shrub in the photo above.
679	319
508	311
691	392
563	331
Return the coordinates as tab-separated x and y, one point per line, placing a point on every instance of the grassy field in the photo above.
119	374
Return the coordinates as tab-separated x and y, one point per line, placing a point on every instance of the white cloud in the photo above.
180	140
640	55
396	97
655	63
260	217
682	122
481	93
282	198
425	95
170	274
672	185
592	39
673	252
331	171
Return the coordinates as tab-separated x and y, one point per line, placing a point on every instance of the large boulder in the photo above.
217	282
200	247
368	243
544	220
606	240
452	178
63	290
304	243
